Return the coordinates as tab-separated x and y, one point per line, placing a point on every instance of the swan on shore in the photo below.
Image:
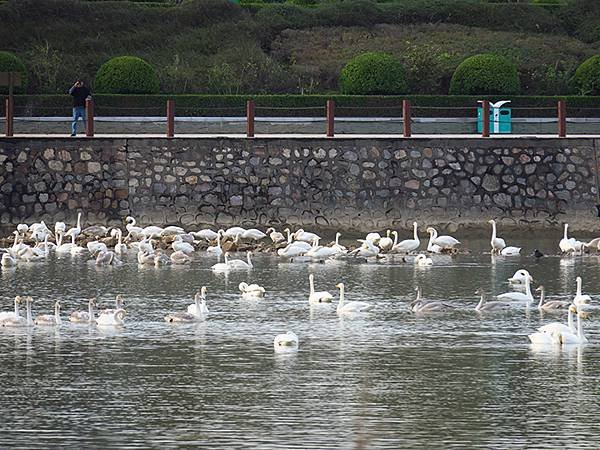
275	236
119	247
499	245
319	296
386	243
408	245
570	245
438	243
76	230
305	236
287	342
206	234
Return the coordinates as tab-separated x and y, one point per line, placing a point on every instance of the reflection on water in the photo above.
385	379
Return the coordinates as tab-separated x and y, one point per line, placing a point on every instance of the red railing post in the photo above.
9	117
330	117
170	118
89	118
250	118
485	118
562	118
406	118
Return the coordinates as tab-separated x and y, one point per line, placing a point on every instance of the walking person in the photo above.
80	93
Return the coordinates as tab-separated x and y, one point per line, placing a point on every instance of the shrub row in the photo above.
301	105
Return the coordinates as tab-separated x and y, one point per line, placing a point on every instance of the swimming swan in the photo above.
317	297
251	291
519	296
199	305
492	306
188	317
552	306
580	299
408	245
284	343
84	316
18	320
423	261
350	307
50	320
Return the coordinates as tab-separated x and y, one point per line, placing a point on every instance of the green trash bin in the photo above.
500	118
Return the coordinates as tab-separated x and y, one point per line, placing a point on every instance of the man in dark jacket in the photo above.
80	93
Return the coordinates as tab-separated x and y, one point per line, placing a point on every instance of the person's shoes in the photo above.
73	134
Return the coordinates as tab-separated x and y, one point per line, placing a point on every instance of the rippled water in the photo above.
389	379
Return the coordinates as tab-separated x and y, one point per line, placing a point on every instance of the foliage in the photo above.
126	75
587	77
373	73
45	65
485	74
10	63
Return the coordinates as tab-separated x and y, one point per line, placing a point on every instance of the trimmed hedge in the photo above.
485	74
587	76
373	73
301	105
126	75
10	63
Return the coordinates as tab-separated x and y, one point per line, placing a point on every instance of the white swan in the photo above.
145	258
253	234
180	258
386	243
59	230
422	261
216	250
305	236
96	247
561	335
570	245
75	231
510	251
557	327
438	243
339	248
492	306
275	236
63	248
17	246
50	320
22	228
234	232
321	252
179	246
552	306
241	264
284	343
12	314
107	258
408	245
199	306
28	254
570	338
519	296
251	291
366	250
497	243
172	230
8	261
76	249
206	234
222	267
152	231
317	297
350	307
373	238
296	248
119	247
84	316
188	317
18	320
580	299
132	229
115	317
519	277
160	259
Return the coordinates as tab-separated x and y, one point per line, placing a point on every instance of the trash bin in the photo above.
500	118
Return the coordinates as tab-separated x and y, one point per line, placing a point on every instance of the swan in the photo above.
206	234
556	327
63	248
571	338
320	296
17	320
275	236
234	232
152	231
580	299
96	247
115	317
146	246
305	236
119	247
12	314
510	251
558	333
339	248
285	342
107	258
50	320
350	307
251	290
366	250
442	242
132	229
43	248
222	267
570	245
59	229
253	234
552	306
216	250
8	261
179	246
519	277
386	243
294	249
423	260
420	305
320	252
199	305
75	231
18	245
84	316
22	228
28	254
160	259
240	264
76	249
172	230
543	338
408	245
373	238
144	257
180	258
189	317
497	243
519	296
484	306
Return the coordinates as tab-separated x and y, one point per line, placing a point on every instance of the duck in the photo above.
7	260
179	246
519	277
408	245
317	297
180	258
17	320
253	234
286	342
199	306
275	236
552	306
438	243
76	230
50	320
422	261
305	236
386	243
84	316
519	296
206	234
492	306
188	317
353	307
12	314
580	299
251	291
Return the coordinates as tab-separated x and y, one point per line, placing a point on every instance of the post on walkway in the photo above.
89	118
485	118
406	118
9	117
250	118
330	117
170	118
562	118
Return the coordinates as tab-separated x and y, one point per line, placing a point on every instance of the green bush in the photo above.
10	63
587	76
373	73
126	75
485	74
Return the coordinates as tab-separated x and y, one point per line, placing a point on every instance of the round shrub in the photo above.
10	63
587	76
126	75
373	73
485	74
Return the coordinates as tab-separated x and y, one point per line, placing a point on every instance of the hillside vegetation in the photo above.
215	46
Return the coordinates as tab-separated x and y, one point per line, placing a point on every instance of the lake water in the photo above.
388	379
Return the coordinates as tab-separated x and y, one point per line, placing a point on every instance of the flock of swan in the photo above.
162	246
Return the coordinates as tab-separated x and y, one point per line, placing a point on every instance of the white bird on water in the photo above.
408	245
199	305
50	320
353	307
251	291
285	343
319	296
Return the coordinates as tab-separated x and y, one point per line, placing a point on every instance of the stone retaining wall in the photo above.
358	184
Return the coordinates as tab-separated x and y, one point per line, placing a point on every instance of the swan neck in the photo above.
16	308
480	304
415	232
542	298
341	297
528	288
570	319
566	227
493	230
578	287
312	285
